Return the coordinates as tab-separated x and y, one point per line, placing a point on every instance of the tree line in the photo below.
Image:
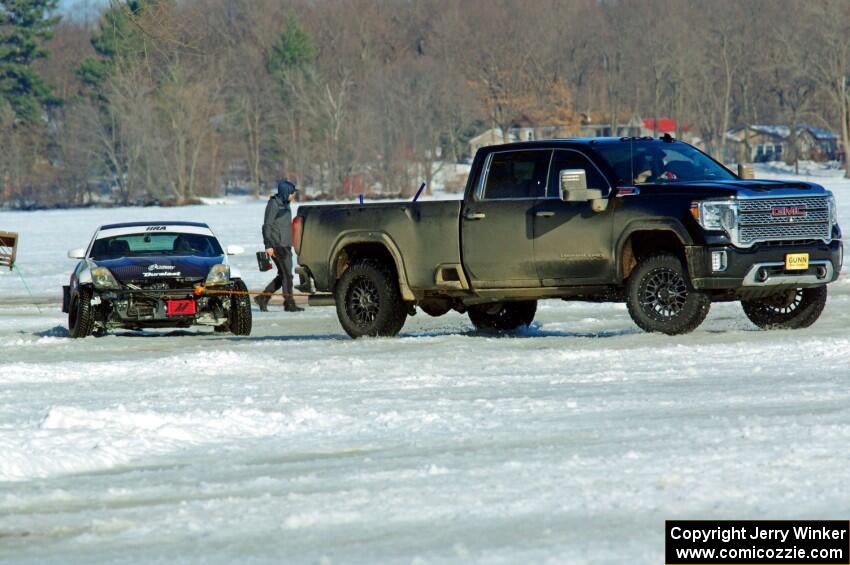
169	100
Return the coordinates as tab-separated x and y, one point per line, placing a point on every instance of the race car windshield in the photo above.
658	162
147	244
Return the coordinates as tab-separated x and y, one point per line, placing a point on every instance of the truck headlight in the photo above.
833	210
716	215
102	278
219	274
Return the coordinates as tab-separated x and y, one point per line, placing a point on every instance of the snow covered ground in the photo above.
570	443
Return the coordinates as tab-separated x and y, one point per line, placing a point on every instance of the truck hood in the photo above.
739	188
130	269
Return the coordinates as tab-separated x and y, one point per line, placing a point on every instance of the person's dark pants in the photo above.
283	259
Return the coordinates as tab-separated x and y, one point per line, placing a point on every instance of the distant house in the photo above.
592	125
634	126
520	130
760	143
492	136
597	125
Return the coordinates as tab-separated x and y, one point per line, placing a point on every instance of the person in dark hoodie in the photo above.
277	237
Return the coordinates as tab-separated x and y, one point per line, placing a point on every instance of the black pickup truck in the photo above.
652	222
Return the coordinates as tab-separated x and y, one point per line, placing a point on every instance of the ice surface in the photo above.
570	443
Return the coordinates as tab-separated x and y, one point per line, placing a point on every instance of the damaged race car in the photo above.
150	275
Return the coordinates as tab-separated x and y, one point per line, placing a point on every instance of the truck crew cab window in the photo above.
517	175
569	159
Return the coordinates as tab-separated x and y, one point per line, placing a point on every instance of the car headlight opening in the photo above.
102	278
218	275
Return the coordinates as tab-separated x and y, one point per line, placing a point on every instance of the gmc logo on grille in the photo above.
787	211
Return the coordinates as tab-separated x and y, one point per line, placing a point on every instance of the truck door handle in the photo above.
545	214
475	216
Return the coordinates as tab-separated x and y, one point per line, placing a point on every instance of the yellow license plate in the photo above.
796	261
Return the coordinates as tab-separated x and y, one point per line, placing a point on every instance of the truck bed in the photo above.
424	234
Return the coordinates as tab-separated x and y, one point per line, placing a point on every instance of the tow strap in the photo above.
201	290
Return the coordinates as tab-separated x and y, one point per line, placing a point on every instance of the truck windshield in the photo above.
146	244
645	162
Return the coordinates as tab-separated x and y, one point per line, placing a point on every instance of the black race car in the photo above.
149	275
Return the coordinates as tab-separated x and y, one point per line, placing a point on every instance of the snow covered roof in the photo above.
775	131
819	133
783	132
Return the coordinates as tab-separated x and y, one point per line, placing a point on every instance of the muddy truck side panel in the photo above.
419	239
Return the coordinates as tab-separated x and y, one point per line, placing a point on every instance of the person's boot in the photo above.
290	306
262	302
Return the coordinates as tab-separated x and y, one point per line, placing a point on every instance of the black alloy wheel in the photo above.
663	294
368	300
363	301
790	310
660	297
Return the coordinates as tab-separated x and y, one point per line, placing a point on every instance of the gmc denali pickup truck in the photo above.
653	222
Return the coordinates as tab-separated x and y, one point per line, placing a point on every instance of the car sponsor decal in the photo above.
141	230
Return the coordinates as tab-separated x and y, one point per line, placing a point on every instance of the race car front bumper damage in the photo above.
154	308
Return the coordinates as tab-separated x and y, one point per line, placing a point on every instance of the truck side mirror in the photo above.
78	253
573	185
746	172
574	189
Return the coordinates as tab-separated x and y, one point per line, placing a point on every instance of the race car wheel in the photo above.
503	316
80	314
240	310
660	297
790	310
368	300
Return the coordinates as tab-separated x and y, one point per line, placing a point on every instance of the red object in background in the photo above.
181	307
665	125
297	230
354	184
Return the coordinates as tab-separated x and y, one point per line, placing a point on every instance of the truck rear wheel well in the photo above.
350	254
642	244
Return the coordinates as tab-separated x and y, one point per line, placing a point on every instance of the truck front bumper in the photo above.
762	269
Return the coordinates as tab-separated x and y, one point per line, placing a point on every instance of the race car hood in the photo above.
134	269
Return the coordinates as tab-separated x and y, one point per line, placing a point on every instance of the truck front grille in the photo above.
758	223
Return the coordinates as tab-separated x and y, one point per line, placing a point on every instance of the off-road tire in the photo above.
504	316
660	297
368	300
240	310
80	314
795	310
